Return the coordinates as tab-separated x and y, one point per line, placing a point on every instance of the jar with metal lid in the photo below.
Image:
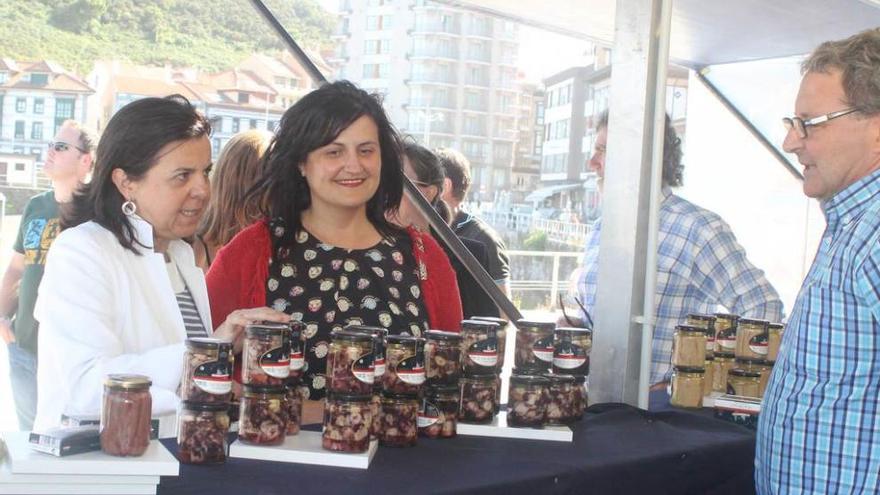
442	357
438	415
297	352
500	336
580	392
405	364
723	363
751	339
571	350
266	354
527	400
293	400
347	421
350	366
534	345
725	332
379	335
201	432
125	415
743	382
207	370
560	399
706	322
479	347
477	400
686	387
263	416
688	346
774	340
762	368
708	377
399	426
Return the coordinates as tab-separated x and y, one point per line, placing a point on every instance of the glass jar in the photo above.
500	336
297	353
751	339
762	368
438	415
580	392
442	357
688	346
266	354
687	387
350	366
706	322
207	370
708	377
479	347
201	432
347	421
477	399
405	364
725	333
527	400
293	400
774	340
743	382
722	364
571	351
376	413
399	427
560	399
263	416
378	335
534	345
125	415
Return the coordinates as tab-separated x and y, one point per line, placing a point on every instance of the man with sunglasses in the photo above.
819	428
68	161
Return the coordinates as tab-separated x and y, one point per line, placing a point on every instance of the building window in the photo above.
564	95
377	47
38	105
253	123
40	79
20	105
376	71
19	167
378	22
19	129
243	97
63	111
37	131
215	146
236	125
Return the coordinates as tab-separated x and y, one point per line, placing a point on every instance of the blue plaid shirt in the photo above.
819	430
699	267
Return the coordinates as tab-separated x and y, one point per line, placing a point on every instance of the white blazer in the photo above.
103	309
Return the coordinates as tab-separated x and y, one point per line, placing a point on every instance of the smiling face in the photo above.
838	152
173	194
345	174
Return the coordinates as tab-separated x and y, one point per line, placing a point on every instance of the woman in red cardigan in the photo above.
325	253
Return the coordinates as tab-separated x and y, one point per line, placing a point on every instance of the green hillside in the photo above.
212	34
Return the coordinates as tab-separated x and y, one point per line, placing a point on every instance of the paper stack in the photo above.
26	471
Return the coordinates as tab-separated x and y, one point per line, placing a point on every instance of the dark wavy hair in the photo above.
313	122
673	169
428	171
131	142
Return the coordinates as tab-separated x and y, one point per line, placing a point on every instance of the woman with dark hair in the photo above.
121	290
325	252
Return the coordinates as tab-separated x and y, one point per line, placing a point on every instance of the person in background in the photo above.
819	427
68	163
236	171
325	253
700	265
457	169
121	290
423	168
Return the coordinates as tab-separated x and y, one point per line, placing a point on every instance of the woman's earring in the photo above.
129	208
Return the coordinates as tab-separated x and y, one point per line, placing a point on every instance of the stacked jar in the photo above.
294	388
438	411
351	375
125	415
501	333
688	382
725	347
481	377
401	385
206	389
265	411
378	335
571	357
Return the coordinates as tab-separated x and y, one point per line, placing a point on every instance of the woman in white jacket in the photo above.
121	291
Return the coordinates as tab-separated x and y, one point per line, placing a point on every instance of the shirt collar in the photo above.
852	200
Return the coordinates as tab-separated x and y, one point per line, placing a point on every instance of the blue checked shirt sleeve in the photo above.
868	282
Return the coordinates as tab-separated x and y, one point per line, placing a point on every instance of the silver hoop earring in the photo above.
129	208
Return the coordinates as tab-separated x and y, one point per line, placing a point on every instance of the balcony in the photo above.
436	28
434	52
431	103
433	78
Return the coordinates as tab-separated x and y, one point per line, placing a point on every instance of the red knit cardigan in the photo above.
237	277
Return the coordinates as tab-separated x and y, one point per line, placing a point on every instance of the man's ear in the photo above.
123	183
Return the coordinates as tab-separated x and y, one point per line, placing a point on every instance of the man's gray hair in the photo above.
858	59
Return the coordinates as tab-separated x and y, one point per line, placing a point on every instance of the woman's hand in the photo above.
233	328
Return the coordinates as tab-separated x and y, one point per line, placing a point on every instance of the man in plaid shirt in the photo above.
819	430
700	266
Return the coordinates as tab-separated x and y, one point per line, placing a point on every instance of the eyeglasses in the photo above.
61	146
800	126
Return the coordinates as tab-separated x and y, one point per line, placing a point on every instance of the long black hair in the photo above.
313	122
131	142
428	170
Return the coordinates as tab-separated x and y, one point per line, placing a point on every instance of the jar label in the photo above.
297	360
727	339
484	352
710	342
363	368
543	349
758	344
411	370
569	356
276	363
428	415
379	366
213	378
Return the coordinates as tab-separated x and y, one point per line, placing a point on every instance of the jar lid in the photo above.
524	324
208	343
580	379
441	335
754	321
129	382
700	317
346	397
530	379
266	329
468	375
689	369
366	329
709	357
746	373
726	316
399	396
204	406
777	326
554	378
728	355
500	321
263	389
293	381
690	328
441	389
401	339
350	335
482	325
574	331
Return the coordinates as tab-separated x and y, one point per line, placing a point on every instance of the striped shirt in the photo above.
699	267
192	322
819	430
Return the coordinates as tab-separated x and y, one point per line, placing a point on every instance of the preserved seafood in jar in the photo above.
263	416
379	335
580	391
438	415
706	322
725	333
743	382
560	399
125	415
297	353
774	340
688	346
687	387
751	339
442	357
294	401
708	376
571	351
266	354
207	370
479	347
477	403
500	335
350	366
201	433
399	426
404	364
347	421
527	400
722	364
534	346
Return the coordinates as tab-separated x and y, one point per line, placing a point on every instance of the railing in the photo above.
37	180
558	281
567	233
